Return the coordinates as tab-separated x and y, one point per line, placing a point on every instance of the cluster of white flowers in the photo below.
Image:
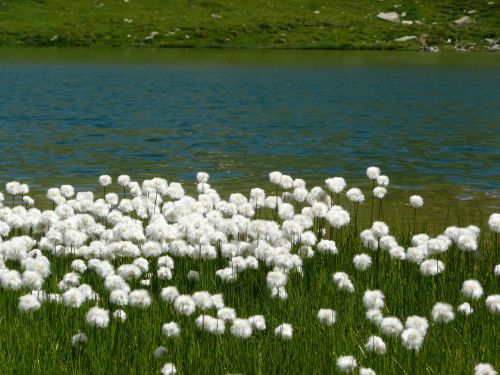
135	240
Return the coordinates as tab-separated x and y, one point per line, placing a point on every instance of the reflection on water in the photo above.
432	123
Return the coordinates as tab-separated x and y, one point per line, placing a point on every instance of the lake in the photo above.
431	122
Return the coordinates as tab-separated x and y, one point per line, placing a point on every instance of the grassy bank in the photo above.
248	24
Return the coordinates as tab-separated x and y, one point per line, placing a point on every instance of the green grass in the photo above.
39	342
343	24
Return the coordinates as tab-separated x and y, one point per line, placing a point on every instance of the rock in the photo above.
151	36
213	15
405	38
463	21
431	49
495	47
472	11
407	22
389	16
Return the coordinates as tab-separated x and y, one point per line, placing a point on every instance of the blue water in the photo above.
431	128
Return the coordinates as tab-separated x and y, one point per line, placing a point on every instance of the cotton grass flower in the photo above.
203	300
97	317
362	262
275	279
160	352
494	223
397	253
496	270
374	316
379	229
431	267
241	328
185	305
105	180
120	315
284	330
335	184
226	314
169	294
412	339
168	369
123	180
391	326
79	265
343	282
419	323
383	180
79	340
373	172
416	201
493	303
355	195
73	297
465	309
484	369
279	293
369	239
171	329
347	363
442	313
258	322
218	301
374	299
467	242
472	289
210	324
327	316
119	297
140	298
337	217
275	177
28	303
379	192
329	247
11	280
376	345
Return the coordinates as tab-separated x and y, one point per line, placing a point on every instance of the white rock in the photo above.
407	22
389	16
463	21
405	38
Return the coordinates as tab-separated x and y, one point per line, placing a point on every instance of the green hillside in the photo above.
342	24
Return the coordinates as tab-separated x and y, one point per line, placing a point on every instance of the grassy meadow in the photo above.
301	24
40	342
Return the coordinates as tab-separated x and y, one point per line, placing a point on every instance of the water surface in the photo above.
430	121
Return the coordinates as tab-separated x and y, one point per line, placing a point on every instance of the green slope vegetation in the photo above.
342	24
